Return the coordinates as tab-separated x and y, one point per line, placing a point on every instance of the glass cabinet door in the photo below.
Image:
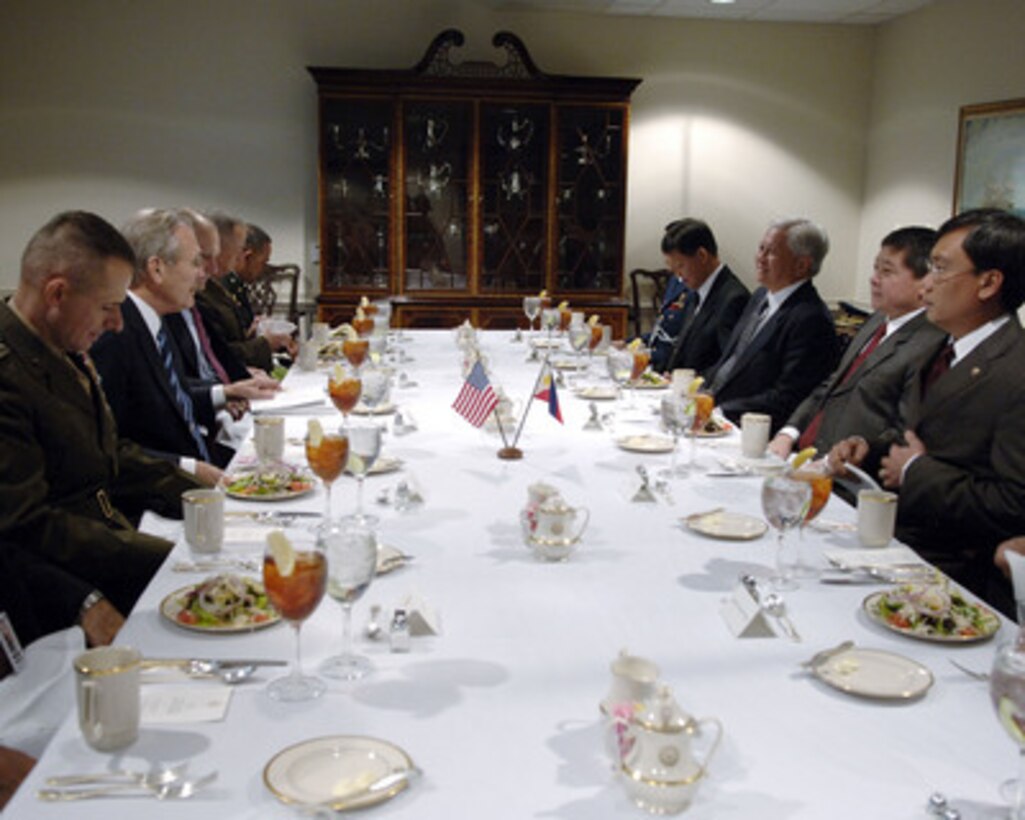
436	141
590	197
356	183
514	185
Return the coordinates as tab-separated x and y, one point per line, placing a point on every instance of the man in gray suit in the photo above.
961	469
868	392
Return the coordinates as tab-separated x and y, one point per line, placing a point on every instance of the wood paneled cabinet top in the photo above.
458	188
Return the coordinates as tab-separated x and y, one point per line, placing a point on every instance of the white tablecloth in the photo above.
501	710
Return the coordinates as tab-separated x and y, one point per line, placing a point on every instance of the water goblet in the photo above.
327	456
579	336
364	448
352	564
677	416
620	364
550	321
532	309
294	578
1007	692
785	504
376	385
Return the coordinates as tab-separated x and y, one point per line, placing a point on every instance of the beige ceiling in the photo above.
863	12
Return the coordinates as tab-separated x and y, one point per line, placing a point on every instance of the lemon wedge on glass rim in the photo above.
695	385
282	552
806	454
314	433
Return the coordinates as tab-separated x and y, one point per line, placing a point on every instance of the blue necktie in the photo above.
181	398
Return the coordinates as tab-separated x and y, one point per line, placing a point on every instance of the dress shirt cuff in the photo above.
904	469
217	396
188	464
793	432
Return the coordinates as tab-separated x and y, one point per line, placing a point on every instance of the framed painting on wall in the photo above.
991	157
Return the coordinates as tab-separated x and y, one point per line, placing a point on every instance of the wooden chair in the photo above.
263	293
639	277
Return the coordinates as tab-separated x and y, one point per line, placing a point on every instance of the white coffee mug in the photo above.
754	434
107	690
321	334
204	519
308	355
269	438
877	516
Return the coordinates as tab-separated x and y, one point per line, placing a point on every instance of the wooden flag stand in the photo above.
511	452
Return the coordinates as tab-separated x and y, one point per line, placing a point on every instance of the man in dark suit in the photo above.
715	300
868	392
784	343
961	470
153	402
206	357
69	485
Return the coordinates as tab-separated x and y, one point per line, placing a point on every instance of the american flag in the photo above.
477	399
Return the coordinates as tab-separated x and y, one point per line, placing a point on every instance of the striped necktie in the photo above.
181	398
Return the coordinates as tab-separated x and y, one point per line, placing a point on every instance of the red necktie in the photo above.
940	365
208	351
811	432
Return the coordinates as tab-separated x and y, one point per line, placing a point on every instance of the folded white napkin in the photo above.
886	557
34	702
1017	563
291	399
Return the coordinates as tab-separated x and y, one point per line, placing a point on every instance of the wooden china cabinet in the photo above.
458	188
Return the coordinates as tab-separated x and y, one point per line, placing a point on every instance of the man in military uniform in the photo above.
224	311
68	485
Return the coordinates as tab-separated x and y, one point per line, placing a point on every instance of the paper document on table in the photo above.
885	557
291	399
186	703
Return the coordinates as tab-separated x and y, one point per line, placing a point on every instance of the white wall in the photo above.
114	106
929	64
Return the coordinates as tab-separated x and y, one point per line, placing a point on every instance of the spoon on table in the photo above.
175	790
154	778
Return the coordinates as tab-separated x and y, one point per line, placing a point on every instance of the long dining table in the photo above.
500	709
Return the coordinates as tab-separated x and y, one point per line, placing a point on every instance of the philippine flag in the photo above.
549	394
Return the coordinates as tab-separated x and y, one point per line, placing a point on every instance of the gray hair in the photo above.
73	244
805	238
226	223
151	232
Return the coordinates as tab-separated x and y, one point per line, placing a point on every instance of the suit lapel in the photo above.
864	335
972	370
145	342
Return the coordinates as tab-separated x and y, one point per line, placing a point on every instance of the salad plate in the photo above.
223	605
597	393
337	772
727	526
931	612
381	410
645	443
650	381
872	673
281	484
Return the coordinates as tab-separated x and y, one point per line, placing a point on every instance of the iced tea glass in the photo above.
327	459
295	591
344	389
